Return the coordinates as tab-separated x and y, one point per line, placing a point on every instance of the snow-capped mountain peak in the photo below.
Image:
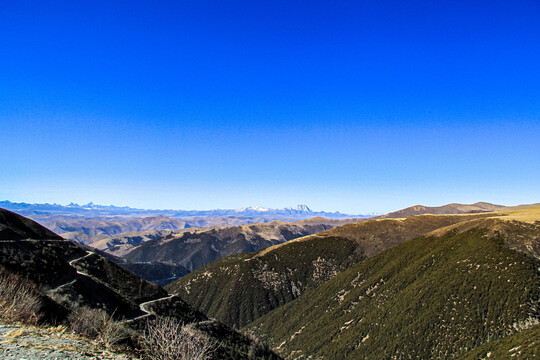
258	208
303	208
253	208
299	208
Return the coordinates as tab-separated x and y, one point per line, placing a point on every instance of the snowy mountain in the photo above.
93	210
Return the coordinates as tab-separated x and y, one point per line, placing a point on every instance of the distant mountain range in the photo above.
289	213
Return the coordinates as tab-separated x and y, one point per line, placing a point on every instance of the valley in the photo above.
461	284
68	280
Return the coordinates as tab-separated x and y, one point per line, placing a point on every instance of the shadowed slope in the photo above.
13	226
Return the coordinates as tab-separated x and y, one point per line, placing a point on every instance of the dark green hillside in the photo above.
523	345
431	297
242	287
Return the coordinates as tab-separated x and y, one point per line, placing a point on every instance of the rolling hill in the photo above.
193	249
478	207
238	289
435	296
90	229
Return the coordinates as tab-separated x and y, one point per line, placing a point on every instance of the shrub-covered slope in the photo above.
431	297
47	264
522	345
240	288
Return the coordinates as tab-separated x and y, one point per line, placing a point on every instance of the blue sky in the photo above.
351	106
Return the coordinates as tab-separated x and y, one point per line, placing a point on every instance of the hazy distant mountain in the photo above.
91	223
93	210
90	229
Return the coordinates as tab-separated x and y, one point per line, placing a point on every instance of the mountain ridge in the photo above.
91	208
436	296
274	276
452	208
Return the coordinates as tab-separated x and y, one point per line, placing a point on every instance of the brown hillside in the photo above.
445	209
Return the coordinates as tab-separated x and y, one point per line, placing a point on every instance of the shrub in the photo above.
20	301
83	321
97	324
168	339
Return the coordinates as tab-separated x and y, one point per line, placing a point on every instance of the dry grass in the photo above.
169	339
97	324
430	225
19	333
19	300
376	235
494	221
528	214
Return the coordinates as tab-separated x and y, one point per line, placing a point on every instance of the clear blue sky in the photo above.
356	106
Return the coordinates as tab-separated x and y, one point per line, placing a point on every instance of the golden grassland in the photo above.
461	222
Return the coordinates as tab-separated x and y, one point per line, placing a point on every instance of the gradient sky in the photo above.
352	106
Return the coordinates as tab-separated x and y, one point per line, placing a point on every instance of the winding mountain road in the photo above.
88	253
142	306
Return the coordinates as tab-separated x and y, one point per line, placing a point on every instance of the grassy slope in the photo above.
523	345
238	289
427	298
